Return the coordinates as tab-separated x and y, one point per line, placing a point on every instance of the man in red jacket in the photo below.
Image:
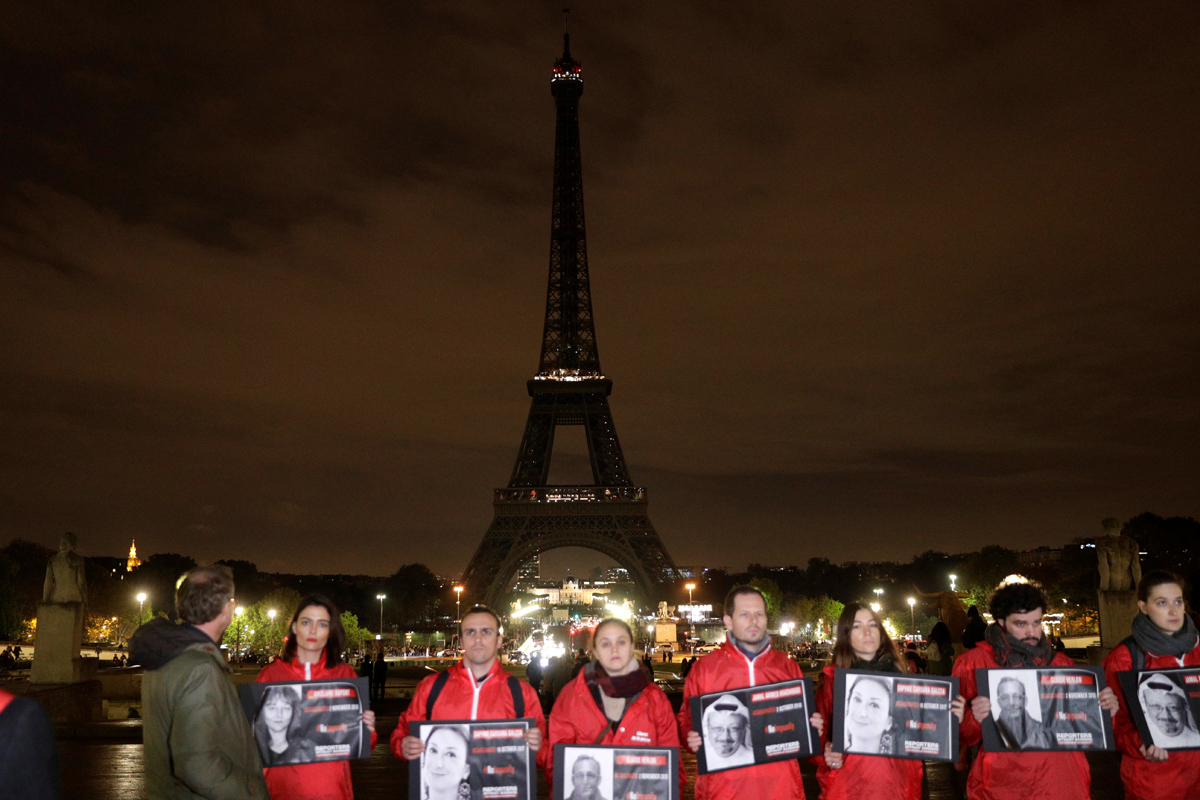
746	659
475	688
1016	640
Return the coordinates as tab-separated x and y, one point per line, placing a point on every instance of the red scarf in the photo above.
619	685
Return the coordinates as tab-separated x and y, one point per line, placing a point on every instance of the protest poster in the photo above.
609	772
1044	708
302	722
754	725
1164	704
480	760
894	714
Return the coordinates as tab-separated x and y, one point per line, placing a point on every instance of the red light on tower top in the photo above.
567	68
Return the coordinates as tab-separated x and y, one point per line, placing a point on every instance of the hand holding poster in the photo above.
607	772
754	725
1164	705
301	722
897	715
1047	708
464	760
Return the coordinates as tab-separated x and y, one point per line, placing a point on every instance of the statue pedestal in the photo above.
665	631
1117	610
56	656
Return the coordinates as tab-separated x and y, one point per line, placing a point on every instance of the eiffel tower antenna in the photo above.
609	515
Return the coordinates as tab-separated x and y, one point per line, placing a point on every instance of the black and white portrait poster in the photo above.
754	725
301	722
893	714
1045	708
481	760
607	772
1164	705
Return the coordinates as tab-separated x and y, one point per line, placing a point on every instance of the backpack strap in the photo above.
514	686
1136	654
605	732
439	683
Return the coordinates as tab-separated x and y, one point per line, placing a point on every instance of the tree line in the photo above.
415	597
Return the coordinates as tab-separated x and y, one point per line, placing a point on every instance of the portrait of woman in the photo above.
869	716
445	767
277	727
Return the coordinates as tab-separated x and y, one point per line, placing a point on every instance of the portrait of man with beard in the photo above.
1019	729
727	733
1168	716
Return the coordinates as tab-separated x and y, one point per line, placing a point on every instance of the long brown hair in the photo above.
843	654
337	634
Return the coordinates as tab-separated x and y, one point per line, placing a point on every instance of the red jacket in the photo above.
862	777
1016	776
464	698
1179	775
329	780
649	721
726	668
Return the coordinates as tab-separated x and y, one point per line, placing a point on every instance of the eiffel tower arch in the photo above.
610	515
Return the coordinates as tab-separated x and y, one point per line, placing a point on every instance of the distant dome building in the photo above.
133	561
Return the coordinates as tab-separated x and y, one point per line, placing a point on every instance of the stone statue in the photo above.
665	611
1117	556
65	579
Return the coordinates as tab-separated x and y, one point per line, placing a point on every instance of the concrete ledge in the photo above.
70	703
127	730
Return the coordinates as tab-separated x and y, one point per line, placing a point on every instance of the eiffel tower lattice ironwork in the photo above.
610	515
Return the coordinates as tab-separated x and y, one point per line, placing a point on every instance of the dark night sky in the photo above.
870	278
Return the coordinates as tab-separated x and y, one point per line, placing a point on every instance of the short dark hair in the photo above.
1151	580
202	593
337	634
479	609
738	591
1016	598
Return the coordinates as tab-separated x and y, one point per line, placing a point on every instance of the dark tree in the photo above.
1169	543
413	595
246	581
26	574
157	577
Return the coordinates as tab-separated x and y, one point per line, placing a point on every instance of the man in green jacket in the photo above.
197	741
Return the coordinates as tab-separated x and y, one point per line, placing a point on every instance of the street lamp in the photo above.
953	578
912	613
690	587
381	598
141	598
458	602
878	595
875	607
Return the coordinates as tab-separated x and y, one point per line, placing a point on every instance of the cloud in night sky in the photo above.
869	279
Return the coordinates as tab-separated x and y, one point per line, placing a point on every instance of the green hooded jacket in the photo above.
197	741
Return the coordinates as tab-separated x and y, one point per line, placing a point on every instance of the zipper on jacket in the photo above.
307	671
475	687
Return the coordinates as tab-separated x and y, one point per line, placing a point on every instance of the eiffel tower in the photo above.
608	516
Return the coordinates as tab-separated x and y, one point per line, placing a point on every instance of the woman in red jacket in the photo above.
313	652
1163	637
611	701
863	643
